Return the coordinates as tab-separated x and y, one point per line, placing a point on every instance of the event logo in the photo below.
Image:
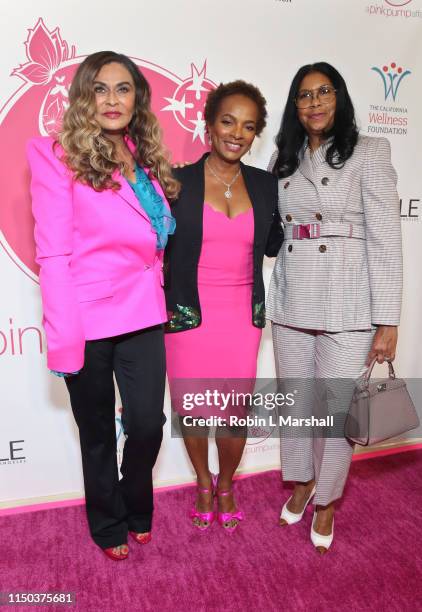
389	119
410	209
258	434
394	8
11	452
18	341
392	77
37	108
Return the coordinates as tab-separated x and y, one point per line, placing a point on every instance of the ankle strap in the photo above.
223	493
213	488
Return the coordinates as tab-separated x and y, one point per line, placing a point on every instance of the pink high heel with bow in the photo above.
224	518
205	517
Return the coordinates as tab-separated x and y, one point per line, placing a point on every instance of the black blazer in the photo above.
184	247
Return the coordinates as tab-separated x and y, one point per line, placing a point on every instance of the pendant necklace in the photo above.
227	194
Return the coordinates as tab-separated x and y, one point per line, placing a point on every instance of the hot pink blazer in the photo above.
100	272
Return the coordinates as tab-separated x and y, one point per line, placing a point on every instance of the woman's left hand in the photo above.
384	344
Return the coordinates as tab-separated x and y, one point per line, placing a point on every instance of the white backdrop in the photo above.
377	47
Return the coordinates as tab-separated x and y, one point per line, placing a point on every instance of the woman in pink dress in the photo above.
227	219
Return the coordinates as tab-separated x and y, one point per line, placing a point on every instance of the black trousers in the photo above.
138	362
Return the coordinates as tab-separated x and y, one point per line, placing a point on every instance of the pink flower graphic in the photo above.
45	51
37	108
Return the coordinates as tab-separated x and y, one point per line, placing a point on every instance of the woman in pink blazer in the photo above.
101	224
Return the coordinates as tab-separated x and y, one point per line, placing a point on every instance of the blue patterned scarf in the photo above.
161	219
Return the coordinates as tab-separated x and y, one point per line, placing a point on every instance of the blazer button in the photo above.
290	248
286	184
322	248
318	216
289	218
325	180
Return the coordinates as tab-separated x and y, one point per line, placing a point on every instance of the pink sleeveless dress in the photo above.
225	345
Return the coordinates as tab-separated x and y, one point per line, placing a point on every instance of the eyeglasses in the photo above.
325	95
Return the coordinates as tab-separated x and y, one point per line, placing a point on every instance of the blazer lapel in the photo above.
198	190
126	192
255	196
195	192
305	166
197	198
128	195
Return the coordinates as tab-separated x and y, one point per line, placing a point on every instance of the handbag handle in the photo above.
367	375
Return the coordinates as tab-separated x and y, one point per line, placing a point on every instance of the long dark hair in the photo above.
292	134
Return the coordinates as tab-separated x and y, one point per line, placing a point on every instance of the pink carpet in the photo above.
374	564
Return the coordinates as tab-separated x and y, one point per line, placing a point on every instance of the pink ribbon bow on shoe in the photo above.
226	517
204	517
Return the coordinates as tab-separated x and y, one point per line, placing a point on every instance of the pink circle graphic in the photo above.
398	2
38	105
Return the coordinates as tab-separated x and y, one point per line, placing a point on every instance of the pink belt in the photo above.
322	230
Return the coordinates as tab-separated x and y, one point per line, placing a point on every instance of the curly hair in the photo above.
239	87
89	153
291	136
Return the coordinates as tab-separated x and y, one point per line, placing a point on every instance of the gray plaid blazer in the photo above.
350	277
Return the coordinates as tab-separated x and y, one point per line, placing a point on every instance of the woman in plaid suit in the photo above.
335	292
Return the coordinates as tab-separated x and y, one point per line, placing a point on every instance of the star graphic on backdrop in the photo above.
178	106
197	80
199	131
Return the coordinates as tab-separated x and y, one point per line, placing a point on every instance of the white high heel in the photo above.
319	540
291	517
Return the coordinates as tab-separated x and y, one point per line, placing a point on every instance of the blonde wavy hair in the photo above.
89	153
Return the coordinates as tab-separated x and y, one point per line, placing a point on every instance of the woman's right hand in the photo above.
181	164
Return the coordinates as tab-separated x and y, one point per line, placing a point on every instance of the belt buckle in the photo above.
302	231
306	230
